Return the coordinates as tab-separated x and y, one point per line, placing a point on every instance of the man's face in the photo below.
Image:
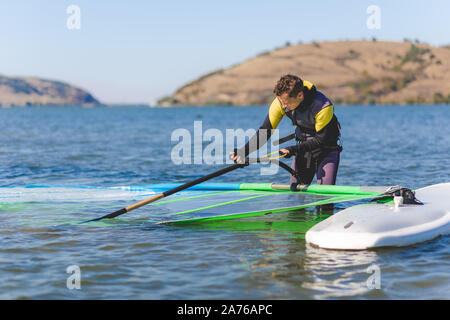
290	103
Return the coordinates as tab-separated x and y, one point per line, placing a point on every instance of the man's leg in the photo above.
328	168
299	164
326	174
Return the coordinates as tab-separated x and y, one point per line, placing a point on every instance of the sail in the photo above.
200	203
252	199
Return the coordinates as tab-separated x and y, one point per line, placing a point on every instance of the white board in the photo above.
382	224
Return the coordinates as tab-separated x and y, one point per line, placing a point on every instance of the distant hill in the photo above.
15	91
349	72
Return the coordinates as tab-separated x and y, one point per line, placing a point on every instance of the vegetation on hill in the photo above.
349	72
15	91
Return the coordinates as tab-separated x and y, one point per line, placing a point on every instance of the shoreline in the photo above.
209	106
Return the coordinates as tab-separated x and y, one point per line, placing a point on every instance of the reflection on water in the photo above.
290	268
291	224
338	274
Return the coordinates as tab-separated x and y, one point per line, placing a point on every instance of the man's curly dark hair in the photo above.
290	84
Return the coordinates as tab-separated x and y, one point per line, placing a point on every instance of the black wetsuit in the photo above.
317	134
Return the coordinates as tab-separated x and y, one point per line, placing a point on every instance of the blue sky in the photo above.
139	51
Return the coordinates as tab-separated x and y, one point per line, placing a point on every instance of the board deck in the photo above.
383	224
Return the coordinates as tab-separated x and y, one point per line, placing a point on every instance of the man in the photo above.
317	131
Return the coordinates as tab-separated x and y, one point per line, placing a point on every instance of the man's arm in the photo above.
264	132
324	136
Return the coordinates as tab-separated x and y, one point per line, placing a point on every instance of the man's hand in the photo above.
287	152
235	157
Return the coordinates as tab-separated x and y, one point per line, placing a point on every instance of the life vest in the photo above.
304	119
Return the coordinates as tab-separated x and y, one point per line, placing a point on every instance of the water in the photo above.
259	258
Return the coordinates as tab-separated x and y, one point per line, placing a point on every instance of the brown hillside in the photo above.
15	91
349	72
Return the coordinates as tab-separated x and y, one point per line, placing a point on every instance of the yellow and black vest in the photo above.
313	115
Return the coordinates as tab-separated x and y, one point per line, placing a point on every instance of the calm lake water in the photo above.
259	258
